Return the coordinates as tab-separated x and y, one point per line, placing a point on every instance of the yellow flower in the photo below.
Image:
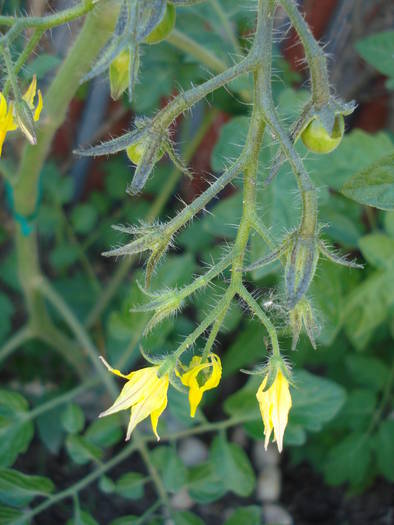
275	404
11	120
145	393
200	377
6	121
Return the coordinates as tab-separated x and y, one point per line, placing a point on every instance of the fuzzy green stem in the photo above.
314	54
31	45
258	311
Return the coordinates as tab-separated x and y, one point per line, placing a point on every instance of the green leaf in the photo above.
384	446
225	215
63	256
83	218
233	466
316	400
40	66
16	430
244	400
81	450
187	518
328	300
50	429
373	186
131	485
126	520
357	151
173	471
367	371
105	432
368	306
389	223
378	51
9	515
6	312
19	489
245	516
204	484
358	410
247	349
106	485
73	418
349	460
231	140
378	250
83	518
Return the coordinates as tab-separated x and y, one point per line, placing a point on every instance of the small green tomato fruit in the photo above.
316	138
136	151
164	28
119	73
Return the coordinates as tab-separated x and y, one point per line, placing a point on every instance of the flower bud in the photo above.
25	121
301	263
274	400
302	316
119	72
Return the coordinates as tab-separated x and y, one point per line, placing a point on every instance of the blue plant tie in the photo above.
26	222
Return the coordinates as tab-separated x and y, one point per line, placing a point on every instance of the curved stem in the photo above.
18	339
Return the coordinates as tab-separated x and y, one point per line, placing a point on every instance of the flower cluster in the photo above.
145	393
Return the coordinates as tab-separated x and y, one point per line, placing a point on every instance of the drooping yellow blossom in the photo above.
200	377
11	120
145	393
275	404
6	121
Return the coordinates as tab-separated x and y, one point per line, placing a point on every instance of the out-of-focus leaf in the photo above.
373	186
233	466
18	489
16	430
357	151
73	418
81	450
367	306
82	518
378	51
131	485
204	484
245	515
378	250
370	372
358	409
6	312
105	432
247	349
349	460
316	400
384	446
83	218
172	469
187	518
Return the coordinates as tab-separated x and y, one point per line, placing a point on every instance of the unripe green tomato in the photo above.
316	138
119	73
164	28
136	151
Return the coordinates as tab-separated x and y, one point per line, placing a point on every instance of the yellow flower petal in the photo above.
145	393
198	385
275	404
31	93
37	111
